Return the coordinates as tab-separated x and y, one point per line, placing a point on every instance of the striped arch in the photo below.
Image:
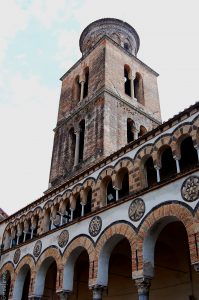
76	189
160	217
8	267
88	184
180	133
125	163
159	145
106	243
100	188
196	130
45	260
72	252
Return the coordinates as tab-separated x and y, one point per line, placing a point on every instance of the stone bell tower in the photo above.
108	99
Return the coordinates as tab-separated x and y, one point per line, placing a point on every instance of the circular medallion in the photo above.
17	256
136	209
95	226
190	189
37	248
63	238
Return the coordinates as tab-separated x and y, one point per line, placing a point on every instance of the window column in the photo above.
177	159
77	134
82	90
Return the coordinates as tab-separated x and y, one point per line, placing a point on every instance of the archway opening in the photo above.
120	284
50	283
174	277
189	156
124	181
87	208
168	164
26	286
81	275
78	208
110	192
150	172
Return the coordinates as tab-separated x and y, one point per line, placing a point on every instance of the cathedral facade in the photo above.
120	218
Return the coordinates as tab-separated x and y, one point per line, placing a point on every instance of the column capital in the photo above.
63	294
97	291
143	285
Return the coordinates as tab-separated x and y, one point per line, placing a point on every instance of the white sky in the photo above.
39	41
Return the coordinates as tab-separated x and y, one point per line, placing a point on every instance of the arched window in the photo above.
189	156
142	131
150	172
138	88
35	226
71	146
81	140
130	130
86	72
124	177
76	89
110	192
127	80
78	208
87	208
168	163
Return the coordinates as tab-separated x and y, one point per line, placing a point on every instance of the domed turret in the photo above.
121	32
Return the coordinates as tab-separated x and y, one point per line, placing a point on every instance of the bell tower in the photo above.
108	98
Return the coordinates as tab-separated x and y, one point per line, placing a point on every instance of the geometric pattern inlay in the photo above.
190	189
95	226
37	248
17	255
63	238
136	209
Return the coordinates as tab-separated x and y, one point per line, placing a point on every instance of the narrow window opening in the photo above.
111	193
138	89
130	130
78	208
189	156
150	171
168	164
71	148
81	140
86	83
76	89
127	82
126	46
142	131
124	191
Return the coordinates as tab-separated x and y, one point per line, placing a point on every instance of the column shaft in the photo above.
76	161
82	90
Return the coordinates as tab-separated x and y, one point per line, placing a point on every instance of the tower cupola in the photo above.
119	31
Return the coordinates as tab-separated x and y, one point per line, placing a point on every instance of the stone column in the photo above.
63	295
71	214
131	77
136	131
197	149
177	159
77	140
82	90
143	286
116	192
158	173
82	212
97	292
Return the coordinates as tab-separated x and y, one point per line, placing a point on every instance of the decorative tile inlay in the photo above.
136	209
63	238
37	248
95	226
17	256
190	189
